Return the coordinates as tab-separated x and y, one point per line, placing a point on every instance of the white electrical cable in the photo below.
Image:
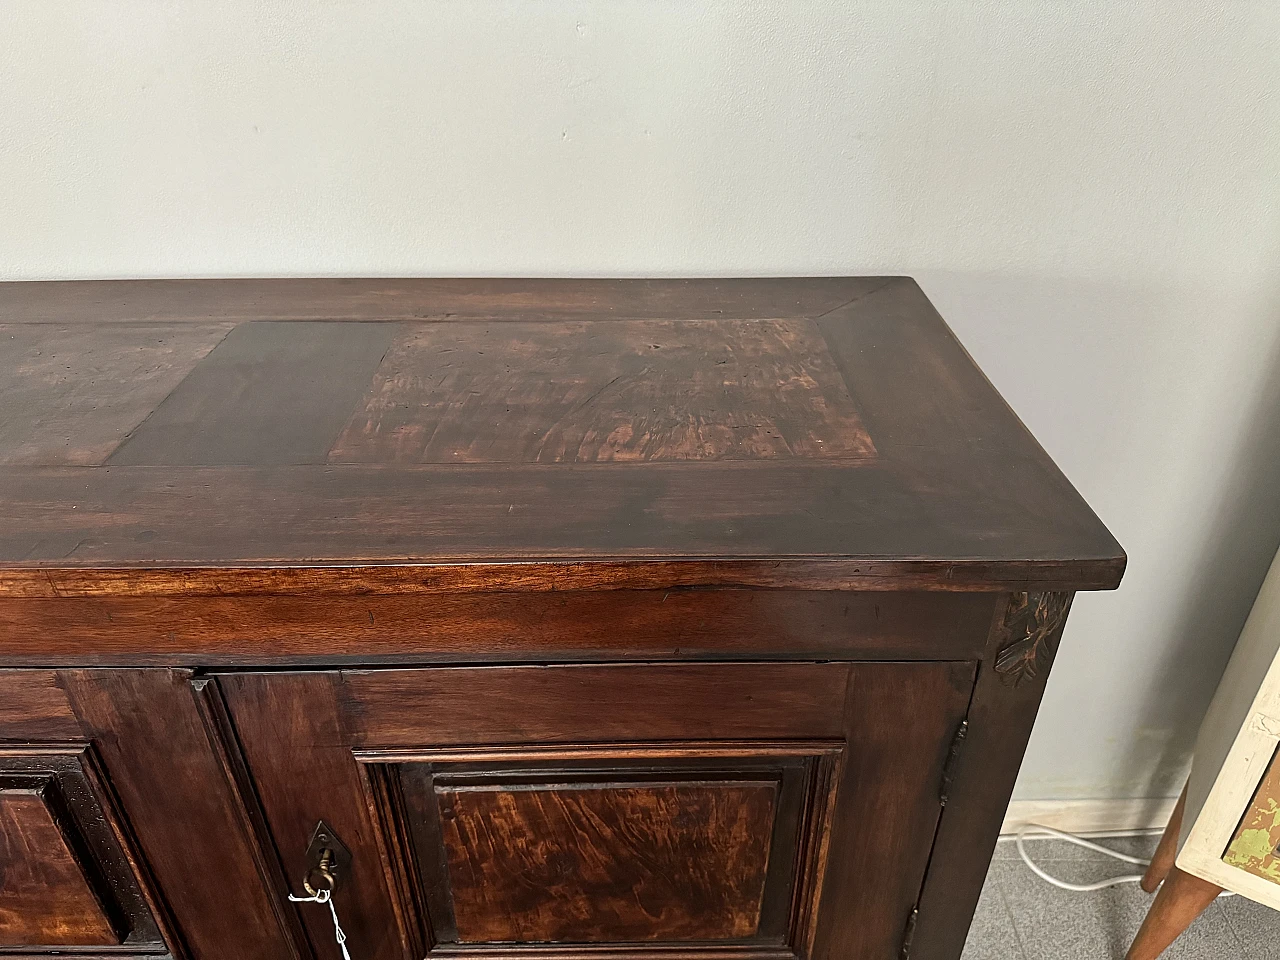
1079	842
1088	845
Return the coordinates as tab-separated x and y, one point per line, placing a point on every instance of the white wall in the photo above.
1090	192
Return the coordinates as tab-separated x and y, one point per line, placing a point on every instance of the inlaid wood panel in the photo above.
45	897
65	404
270	393
623	390
673	861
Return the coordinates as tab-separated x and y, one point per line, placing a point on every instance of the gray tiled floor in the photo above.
1020	917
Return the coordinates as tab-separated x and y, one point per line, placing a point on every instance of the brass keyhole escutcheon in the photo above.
322	874
328	861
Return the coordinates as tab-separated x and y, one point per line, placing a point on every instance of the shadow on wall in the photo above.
1131	391
1244	537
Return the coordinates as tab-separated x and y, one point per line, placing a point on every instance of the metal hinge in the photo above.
909	934
953	760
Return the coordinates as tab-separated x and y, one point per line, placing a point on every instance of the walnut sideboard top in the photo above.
167	438
541	619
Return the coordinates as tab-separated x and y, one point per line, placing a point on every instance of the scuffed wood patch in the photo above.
72	394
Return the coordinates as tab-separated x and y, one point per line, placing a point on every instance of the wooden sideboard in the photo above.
551	620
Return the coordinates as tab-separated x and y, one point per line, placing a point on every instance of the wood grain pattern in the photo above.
533	576
551	517
577	553
65	403
87	839
34	707
169	780
225	476
512	627
801	775
896	719
117	301
681	861
45	898
620	390
269	393
592	703
291	732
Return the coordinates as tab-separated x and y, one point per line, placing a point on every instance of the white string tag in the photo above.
326	896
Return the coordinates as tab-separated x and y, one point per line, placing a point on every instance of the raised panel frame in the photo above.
80	802
50	890
808	773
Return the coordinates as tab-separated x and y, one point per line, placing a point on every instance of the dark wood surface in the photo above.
1000	717
177	801
311	740
70	862
438	626
34	707
664	861
45	897
691	620
813	433
677	841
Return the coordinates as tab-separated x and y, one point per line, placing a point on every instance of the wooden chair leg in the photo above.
1162	862
1181	899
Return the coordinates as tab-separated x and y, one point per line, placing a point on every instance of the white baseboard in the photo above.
1091	818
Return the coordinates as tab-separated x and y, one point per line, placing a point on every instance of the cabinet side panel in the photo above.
1006	697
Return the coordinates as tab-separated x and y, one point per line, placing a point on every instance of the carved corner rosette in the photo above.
1031	628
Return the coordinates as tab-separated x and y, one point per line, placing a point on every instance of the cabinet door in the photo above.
667	811
119	835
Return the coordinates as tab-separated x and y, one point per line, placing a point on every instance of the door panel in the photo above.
523	862
614	844
67	877
629	810
45	896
